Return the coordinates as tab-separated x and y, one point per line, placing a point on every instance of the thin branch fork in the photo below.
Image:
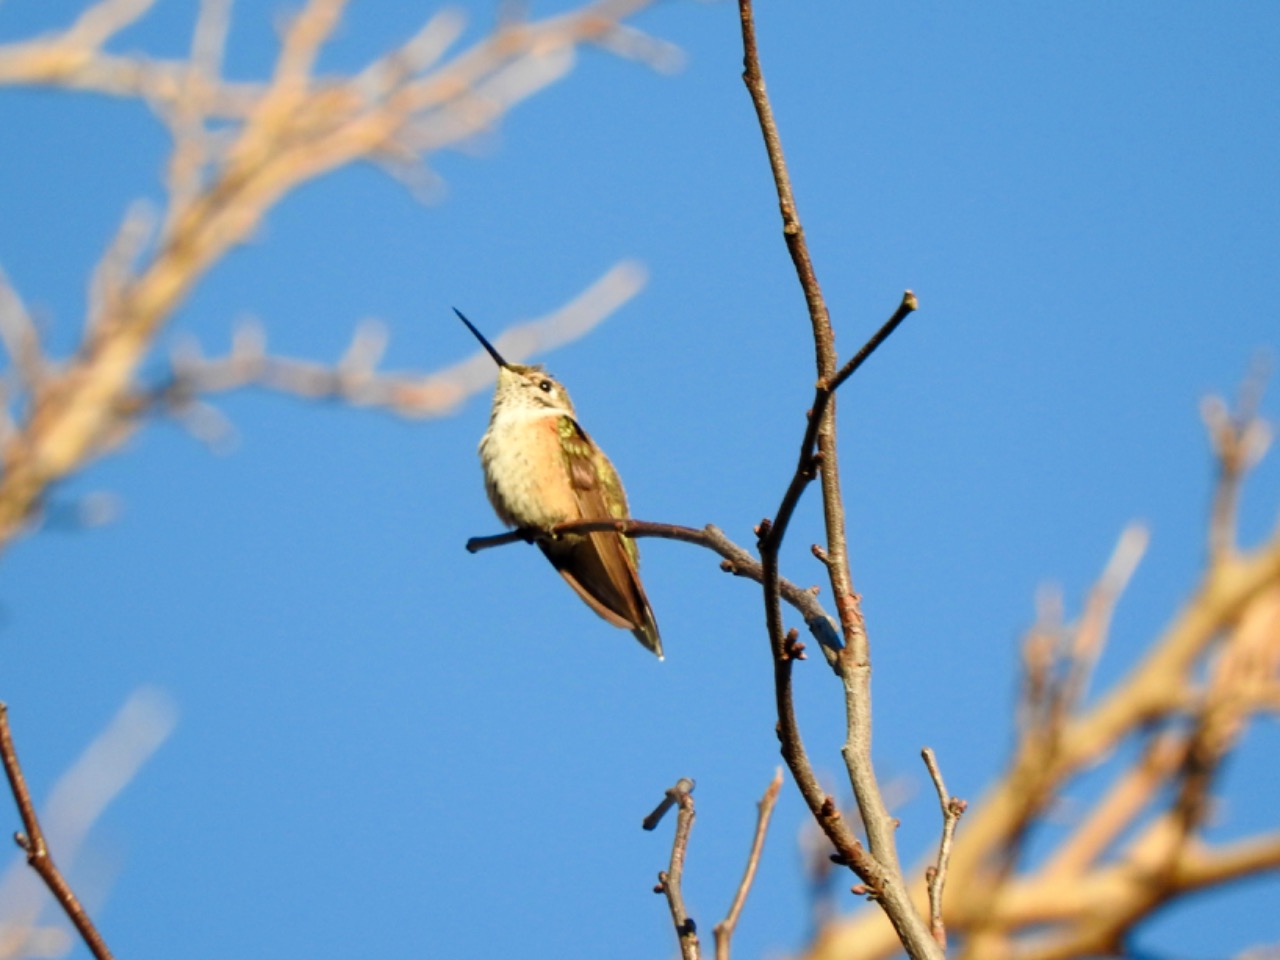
809	462
669	880
31	840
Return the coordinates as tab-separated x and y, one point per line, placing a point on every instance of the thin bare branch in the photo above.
880	870
737	561
683	785
669	880
33	844
952	810
724	930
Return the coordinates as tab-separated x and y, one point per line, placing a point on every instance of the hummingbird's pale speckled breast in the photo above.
524	469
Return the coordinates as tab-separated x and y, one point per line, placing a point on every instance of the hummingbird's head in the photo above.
520	387
530	388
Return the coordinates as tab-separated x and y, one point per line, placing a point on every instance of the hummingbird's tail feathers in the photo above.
647	633
602	573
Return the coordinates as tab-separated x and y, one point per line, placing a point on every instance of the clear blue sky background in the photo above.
387	747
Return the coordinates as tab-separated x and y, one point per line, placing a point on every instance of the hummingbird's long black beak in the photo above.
497	357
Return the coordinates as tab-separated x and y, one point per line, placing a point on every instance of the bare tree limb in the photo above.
737	561
669	880
33	844
952	809
880	870
724	930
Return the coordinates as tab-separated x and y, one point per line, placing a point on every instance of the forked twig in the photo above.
878	868
936	876
31	840
669	880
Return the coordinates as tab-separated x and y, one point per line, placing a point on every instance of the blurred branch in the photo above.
355	379
1185	705
238	148
1239	440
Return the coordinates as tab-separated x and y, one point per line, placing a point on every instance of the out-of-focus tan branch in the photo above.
1212	670
74	59
223	179
355	379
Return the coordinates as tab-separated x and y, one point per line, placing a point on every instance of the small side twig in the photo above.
669	879
952	809
725	928
31	840
683	785
1239	438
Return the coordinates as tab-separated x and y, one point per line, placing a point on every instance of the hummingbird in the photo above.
540	469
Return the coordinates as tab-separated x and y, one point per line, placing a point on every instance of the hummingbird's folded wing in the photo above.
602	566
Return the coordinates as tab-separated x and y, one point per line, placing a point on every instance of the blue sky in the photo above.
387	747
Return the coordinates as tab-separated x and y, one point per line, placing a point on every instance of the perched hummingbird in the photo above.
540	469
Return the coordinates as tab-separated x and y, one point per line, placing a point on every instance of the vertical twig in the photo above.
31	840
1239	440
669	880
880	871
952	809
725	928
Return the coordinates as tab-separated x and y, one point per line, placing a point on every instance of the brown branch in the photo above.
669	880
737	561
952	810
32	842
724	930
809	462
880	870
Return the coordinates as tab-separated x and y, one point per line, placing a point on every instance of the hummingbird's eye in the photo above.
545	386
